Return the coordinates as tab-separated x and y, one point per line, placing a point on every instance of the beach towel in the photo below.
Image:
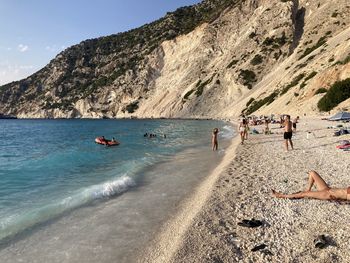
344	142
347	146
254	131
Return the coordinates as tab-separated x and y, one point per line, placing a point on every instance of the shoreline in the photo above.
123	222
165	244
206	227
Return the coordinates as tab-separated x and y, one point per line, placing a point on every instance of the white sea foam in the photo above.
19	222
112	188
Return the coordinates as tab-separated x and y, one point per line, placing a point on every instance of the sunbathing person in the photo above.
324	192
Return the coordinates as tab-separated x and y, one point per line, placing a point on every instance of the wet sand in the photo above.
206	229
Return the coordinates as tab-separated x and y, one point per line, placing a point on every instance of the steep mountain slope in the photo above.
209	60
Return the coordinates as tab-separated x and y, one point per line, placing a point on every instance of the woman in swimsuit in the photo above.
324	192
243	129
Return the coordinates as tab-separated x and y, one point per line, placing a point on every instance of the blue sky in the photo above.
32	32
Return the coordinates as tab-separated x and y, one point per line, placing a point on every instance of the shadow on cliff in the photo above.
299	23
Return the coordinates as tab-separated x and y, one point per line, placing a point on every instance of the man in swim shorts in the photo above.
288	132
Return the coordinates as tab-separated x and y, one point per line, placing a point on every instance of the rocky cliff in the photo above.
220	58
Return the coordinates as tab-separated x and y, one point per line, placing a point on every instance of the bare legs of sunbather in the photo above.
324	192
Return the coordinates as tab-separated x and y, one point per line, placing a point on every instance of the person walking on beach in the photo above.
214	139
323	192
243	130
288	132
267	129
295	121
246	129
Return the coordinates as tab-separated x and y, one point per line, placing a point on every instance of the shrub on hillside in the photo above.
345	61
255	105
248	77
319	43
132	107
232	63
338	92
188	93
294	82
250	101
275	42
200	86
321	90
311	75
258	59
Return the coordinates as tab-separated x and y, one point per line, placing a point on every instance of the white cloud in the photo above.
13	72
51	48
6	48
22	48
54	48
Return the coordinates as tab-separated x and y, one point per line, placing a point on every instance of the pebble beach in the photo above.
206	228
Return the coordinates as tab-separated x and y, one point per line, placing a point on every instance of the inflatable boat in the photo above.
103	141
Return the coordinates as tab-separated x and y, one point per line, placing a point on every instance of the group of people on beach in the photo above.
323	190
285	123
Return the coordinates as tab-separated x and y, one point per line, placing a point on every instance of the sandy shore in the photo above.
206	227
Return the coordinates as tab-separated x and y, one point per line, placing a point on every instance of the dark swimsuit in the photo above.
287	135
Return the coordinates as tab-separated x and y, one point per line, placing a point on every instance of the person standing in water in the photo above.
214	139
288	132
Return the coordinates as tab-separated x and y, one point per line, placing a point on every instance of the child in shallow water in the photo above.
214	139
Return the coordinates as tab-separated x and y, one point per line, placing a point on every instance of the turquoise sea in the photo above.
52	173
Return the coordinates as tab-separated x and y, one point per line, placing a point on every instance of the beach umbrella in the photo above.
340	116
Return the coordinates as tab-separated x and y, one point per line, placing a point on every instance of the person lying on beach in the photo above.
323	192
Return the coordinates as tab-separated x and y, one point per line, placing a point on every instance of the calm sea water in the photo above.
50	167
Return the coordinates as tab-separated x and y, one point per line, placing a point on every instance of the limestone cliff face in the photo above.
215	59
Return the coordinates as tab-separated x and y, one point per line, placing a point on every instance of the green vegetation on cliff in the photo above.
254	105
338	92
294	82
86	67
